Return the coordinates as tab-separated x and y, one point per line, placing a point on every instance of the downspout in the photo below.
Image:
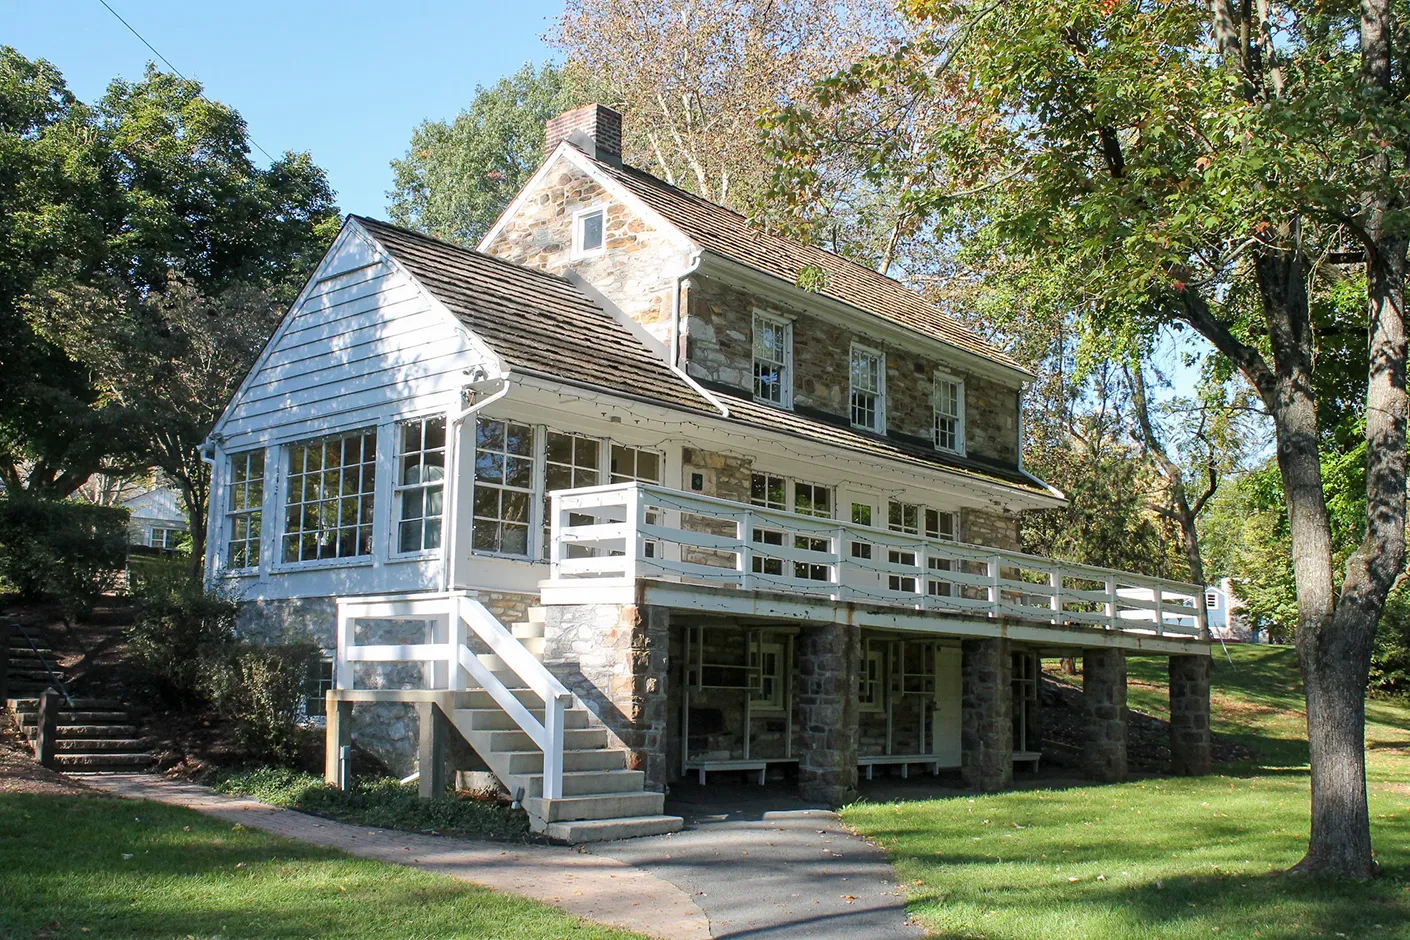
213	536
676	298
453	478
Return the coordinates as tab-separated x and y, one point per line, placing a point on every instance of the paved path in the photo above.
769	867
596	887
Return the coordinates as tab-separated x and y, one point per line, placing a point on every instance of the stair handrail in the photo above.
548	734
63	689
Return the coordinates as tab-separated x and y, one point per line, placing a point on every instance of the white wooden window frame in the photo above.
253	512
400	488
942	379
1211	600
534	492
580	251
784	364
878	394
775	703
598	468
286	477
871	696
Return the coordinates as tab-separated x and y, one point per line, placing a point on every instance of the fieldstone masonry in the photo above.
614	658
1104	697
829	664
1189	715
986	714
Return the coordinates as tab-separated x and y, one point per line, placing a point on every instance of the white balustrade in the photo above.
622	532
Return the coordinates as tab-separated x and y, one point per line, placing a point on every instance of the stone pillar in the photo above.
614	658
1104	699
1189	715
337	736
828	672
432	751
986	714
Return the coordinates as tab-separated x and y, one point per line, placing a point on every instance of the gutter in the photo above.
453	470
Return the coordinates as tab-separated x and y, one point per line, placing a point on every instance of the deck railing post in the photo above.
555	528
1159	609
456	637
1055	600
342	669
635	519
746	550
839	557
553	747
46	743
1111	603
994	578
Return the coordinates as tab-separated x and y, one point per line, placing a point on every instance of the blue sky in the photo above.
346	81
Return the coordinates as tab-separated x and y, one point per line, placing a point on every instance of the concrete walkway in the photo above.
596	887
766	865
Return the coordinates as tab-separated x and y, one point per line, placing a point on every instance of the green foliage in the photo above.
67	550
383	802
457	177
1390	660
259	692
180	630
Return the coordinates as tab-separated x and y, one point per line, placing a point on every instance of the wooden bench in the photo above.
904	761
761	764
1027	757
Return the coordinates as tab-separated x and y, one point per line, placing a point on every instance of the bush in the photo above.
179	630
64	549
1390	660
385	802
259	692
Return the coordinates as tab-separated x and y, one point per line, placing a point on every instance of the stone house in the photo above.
612	501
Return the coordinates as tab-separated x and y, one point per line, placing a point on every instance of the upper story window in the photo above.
421	484
868	383
768	491
505	468
637	464
903	517
244	509
589	232
810	499
942	525
328	504
949	413
773	360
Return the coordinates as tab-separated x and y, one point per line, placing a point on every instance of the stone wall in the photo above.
1104	699
615	659
719	347
986	735
508	608
993	529
636	271
717	725
277	621
1189	715
829	664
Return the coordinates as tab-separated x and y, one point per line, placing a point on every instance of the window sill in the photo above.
290	567
432	554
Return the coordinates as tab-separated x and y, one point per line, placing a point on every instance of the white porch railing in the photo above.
446	621
626	531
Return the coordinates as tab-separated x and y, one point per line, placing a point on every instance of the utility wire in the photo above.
167	63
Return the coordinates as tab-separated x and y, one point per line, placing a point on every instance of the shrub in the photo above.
64	549
1390	659
259	692
179	630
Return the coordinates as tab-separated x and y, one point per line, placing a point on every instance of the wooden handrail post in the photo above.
46	744
553	747
994	578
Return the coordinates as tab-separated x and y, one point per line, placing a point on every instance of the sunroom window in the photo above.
244	509
421	484
328	505
504	487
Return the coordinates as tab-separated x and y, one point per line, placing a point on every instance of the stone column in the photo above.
828	671
1104	699
1189	715
986	714
614	658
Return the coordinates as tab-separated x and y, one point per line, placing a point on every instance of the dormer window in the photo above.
773	360
949	413
589	232
868	384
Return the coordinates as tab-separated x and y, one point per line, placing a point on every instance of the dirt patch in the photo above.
20	774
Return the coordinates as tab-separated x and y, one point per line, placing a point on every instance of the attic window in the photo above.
589	232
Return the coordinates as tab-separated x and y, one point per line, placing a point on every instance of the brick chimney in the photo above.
595	129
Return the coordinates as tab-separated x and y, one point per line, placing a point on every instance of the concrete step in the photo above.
575	740
596	806
89	745
31	704
524	763
591	782
527	631
537	615
607	830
24	651
479	698
495	719
89	732
102	761
36	675
534	644
79	717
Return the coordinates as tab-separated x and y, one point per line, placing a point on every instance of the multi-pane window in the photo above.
317	684
949	414
590	233
504	487
420	487
861	515
871	693
809	499
328	503
942	525
165	538
770	661
768	491
903	517
570	461
635	464
773	341
245	509
868	383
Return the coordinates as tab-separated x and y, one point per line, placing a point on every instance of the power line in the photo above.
167	63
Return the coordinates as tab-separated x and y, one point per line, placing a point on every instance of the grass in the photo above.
386	804
104	869
1162	858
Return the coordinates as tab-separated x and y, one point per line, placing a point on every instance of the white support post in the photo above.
556	526
1159	610
1055	600
343	679
994	598
553	747
456	636
746	550
635	519
839	557
1111	621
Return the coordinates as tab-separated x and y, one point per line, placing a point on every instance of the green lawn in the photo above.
1163	858
92	867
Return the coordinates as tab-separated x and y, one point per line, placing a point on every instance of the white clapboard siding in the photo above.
362	341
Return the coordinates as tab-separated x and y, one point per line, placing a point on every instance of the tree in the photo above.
1197	166
457	177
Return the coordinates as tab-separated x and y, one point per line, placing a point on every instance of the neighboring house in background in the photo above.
616	501
158	519
1221	610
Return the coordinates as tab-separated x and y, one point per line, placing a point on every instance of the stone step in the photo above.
527	631
25	651
607	830
596	806
31	704
575	740
524	763
496	719
36	675
96	731
79	717
102	761
591	782
89	745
